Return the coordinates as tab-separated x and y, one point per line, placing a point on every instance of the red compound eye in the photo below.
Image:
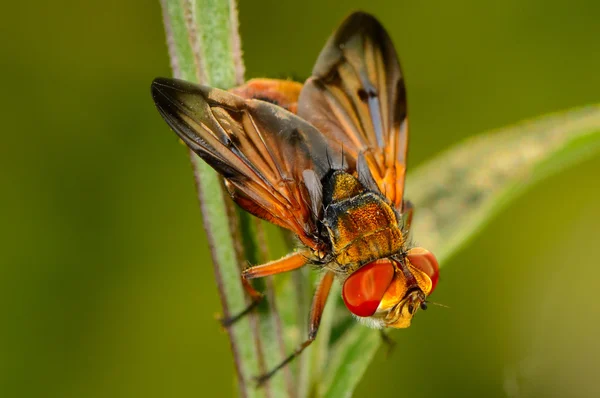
425	261
364	289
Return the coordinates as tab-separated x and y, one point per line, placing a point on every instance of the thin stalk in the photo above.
205	47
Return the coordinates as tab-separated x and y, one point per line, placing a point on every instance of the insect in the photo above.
333	173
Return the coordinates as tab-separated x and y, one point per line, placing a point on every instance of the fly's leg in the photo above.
284	93
389	343
287	263
255	299
317	307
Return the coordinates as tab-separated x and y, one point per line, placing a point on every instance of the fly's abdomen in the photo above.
362	228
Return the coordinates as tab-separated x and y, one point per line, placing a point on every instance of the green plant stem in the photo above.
204	47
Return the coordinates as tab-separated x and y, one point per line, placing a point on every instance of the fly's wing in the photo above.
272	160
356	98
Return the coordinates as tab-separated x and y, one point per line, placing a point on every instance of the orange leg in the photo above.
317	307
279	92
287	263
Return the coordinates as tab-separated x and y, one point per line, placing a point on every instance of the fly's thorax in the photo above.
360	224
339	185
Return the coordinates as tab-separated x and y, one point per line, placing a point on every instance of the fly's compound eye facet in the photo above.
364	289
426	262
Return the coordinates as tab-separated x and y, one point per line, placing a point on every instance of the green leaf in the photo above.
458	192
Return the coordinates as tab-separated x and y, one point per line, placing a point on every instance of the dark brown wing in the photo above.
272	160
356	98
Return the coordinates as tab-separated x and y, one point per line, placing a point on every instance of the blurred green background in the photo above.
106	286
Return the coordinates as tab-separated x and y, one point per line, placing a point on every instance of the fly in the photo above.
325	160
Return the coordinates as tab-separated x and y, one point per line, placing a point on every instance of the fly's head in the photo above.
390	291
